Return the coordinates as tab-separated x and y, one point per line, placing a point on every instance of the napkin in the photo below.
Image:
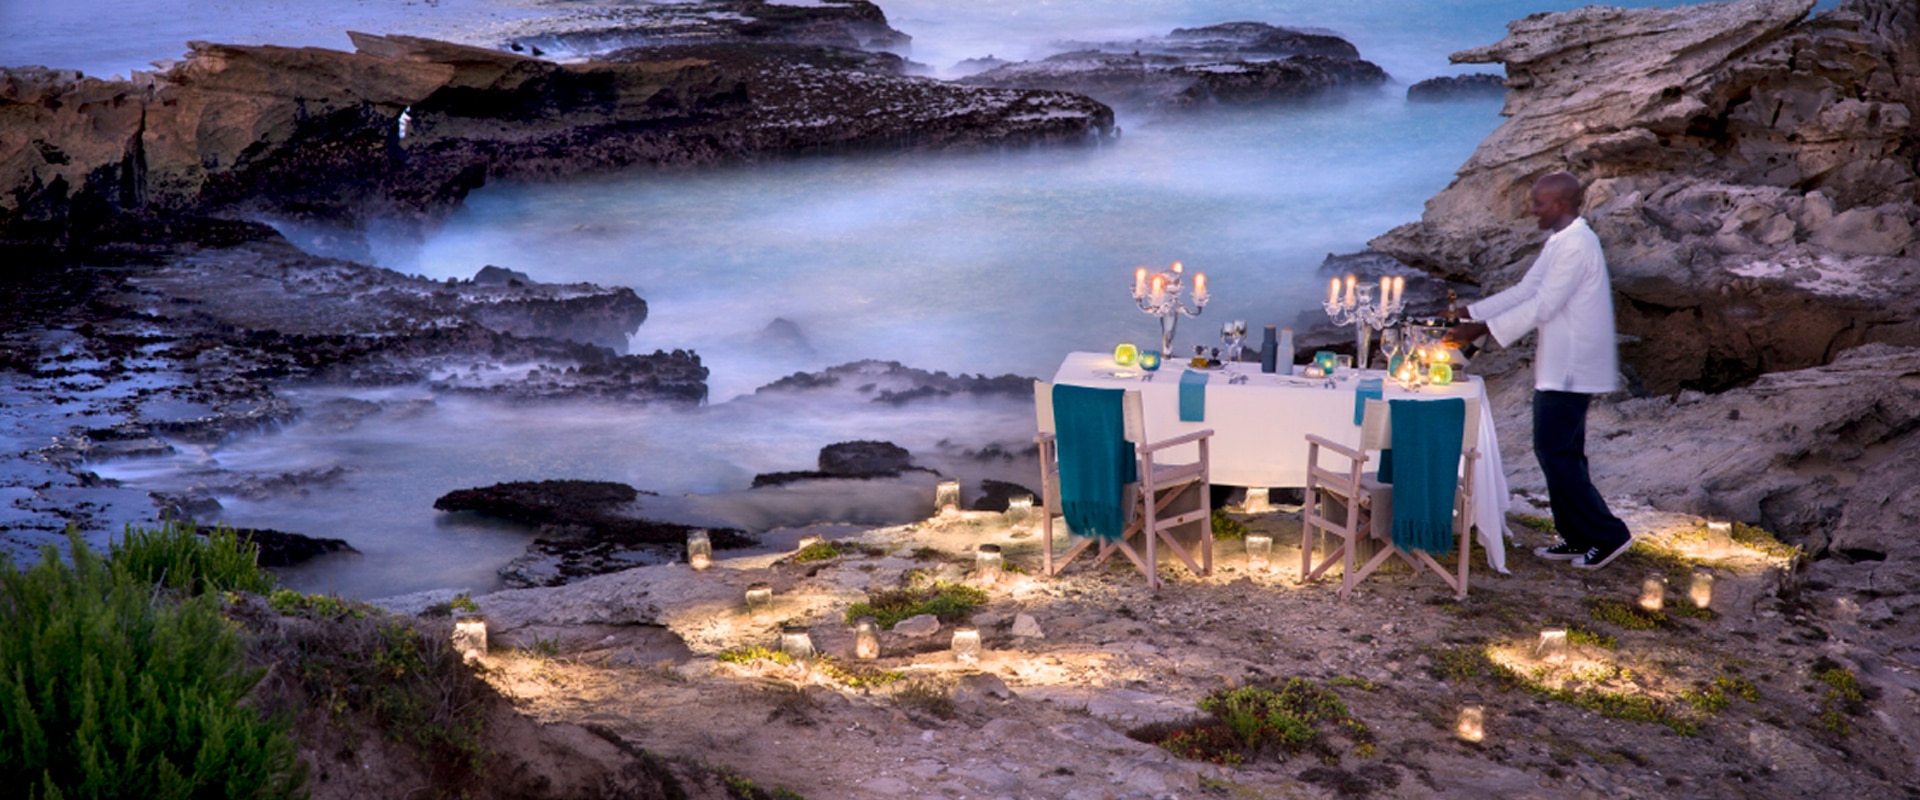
1096	460
1368	389
1193	396
1426	466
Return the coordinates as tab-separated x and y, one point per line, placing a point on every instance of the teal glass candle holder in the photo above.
1326	361
1150	360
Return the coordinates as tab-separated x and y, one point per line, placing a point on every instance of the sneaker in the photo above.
1600	556
1559	552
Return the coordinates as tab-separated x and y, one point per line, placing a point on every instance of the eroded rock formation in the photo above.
1751	173
1233	64
313	133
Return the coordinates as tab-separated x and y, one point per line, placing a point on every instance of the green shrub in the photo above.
109	690
176	556
1242	723
950	602
1225	527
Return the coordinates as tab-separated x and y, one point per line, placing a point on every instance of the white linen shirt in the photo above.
1567	295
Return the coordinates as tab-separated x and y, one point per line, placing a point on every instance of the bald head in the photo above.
1556	199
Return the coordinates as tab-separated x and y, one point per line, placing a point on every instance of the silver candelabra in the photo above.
1362	310
1158	294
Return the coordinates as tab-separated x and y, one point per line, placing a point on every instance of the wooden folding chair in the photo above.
1160	486
1366	505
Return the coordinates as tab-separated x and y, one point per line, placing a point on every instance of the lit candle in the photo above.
1159	287
760	599
1653	591
1349	300
1178	268
1701	592
866	638
1200	284
988	563
1259	549
946	498
1139	281
966	644
1553	645
1333	291
1019	512
699	549
1386	290
1471	725
796	642
1399	286
1125	354
470	636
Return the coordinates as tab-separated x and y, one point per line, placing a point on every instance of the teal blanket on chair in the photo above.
1426	471
1096	460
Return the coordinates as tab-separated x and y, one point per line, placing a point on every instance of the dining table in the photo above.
1260	423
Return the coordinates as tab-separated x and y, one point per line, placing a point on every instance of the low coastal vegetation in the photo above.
1285	718
951	602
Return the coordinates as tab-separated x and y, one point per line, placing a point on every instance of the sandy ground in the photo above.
1047	717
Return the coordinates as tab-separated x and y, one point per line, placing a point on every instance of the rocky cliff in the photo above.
405	127
1751	174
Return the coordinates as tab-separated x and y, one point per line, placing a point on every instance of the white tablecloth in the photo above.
1260	428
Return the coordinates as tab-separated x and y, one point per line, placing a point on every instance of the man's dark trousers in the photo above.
1580	515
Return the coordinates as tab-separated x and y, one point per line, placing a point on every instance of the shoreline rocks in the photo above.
1233	64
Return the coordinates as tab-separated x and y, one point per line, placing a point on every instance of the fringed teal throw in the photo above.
1426	471
1096	460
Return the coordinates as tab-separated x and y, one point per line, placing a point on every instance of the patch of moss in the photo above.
1843	699
1226	527
1578	636
818	551
949	601
1468	662
1619	614
1757	538
290	603
1541	524
1244	723
1358	683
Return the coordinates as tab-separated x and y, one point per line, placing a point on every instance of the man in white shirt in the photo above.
1566	294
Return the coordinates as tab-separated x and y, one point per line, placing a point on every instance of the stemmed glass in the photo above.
1392	344
1234	335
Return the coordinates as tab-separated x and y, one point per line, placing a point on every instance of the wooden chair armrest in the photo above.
1175	441
1337	447
1043	438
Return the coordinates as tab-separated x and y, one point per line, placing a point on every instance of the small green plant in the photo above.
1470	662
926	696
749	653
1630	617
1243	723
852	677
1757	538
1226	527
1738	687
112	690
317	606
950	602
818	551
1358	683
741	787
176	556
1843	699
1578	637
1538	523
1684	607
462	602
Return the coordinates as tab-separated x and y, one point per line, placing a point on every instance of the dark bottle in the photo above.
1269	350
1452	315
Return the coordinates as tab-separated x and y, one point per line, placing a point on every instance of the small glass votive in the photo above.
1343	364
1257	501
866	638
988	563
1020	512
1126	354
1441	373
470	635
1471	724
1324	359
1653	591
1553	645
946	498
699	549
1259	550
966	644
1719	538
1150	360
1701	589
760	599
796	642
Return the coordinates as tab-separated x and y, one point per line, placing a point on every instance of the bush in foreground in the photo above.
109	688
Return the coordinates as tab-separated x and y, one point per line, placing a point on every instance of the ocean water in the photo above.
996	262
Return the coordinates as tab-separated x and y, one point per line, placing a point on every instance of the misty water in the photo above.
994	262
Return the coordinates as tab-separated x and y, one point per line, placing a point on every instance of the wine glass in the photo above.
1392	344
1233	335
